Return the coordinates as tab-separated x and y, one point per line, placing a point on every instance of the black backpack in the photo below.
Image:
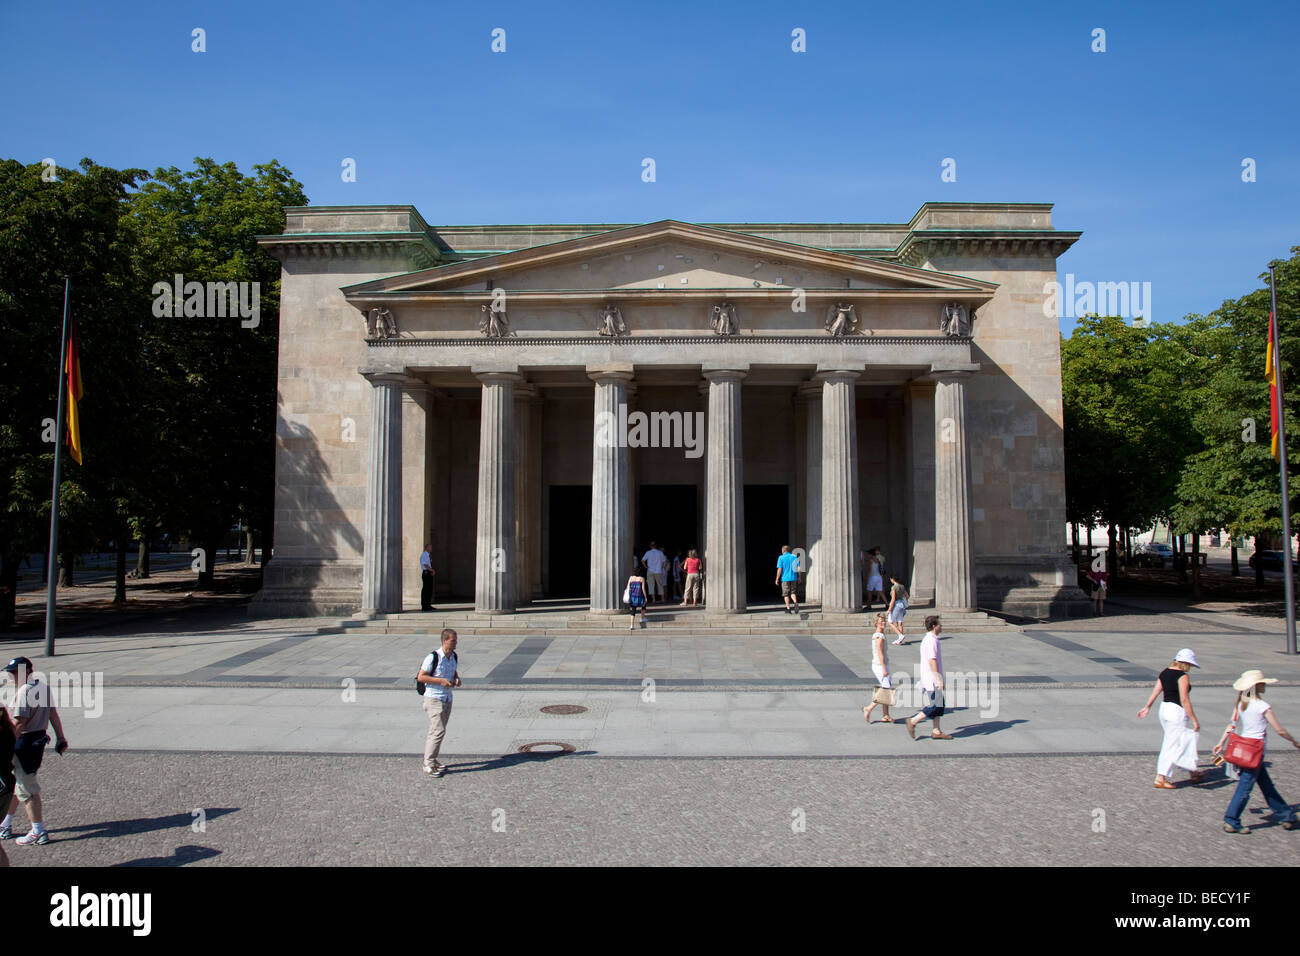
419	688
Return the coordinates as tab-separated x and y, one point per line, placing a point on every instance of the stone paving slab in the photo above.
288	809
305	651
628	723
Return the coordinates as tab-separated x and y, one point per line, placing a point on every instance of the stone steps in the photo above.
667	623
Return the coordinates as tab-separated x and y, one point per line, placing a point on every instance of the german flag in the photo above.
73	371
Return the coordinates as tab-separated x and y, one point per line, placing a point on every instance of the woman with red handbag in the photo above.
1248	756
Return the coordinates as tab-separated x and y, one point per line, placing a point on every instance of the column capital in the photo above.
837	375
619	372
526	392
810	391
499	377
724	374
952	371
379	375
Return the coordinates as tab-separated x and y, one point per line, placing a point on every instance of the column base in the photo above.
308	587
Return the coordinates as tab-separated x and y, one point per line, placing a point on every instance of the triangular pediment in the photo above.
671	255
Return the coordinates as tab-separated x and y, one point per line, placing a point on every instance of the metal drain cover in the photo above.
564	710
546	747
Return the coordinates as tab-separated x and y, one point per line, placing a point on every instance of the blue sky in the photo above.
1140	147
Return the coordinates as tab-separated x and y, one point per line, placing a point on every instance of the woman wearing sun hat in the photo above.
1256	715
1177	718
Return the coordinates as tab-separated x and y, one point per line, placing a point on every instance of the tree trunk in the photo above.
119	572
1259	565
1236	570
250	552
142	559
66	562
1074	541
1196	564
8	590
1112	559
211	548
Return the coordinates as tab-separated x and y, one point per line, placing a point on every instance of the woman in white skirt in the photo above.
1177	718
879	667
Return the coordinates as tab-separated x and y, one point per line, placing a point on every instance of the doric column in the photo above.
920	396
381	580
417	486
724	557
954	569
897	534
495	566
841	584
810	397
611	522
525	543
534	495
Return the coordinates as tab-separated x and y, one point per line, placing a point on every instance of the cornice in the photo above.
627	341
416	246
1037	243
596	297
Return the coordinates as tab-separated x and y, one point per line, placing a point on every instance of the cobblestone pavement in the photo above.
137	809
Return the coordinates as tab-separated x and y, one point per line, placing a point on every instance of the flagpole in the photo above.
53	576
1281	447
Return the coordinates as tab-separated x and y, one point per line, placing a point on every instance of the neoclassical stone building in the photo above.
529	399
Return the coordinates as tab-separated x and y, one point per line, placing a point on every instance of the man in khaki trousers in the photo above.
438	675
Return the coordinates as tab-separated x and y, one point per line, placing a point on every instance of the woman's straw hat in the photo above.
1249	679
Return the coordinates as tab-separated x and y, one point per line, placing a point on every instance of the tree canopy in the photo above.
178	415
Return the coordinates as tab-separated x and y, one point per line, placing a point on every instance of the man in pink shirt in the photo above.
930	681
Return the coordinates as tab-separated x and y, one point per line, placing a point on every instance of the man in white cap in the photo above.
1256	716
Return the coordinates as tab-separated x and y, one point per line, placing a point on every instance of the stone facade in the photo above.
482	425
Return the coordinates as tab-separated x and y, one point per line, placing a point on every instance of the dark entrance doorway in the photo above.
767	527
569	548
666	516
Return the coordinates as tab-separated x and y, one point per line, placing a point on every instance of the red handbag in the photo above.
1243	752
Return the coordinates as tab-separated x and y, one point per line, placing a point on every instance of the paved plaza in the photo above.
298	738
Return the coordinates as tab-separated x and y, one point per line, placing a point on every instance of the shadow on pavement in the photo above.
507	761
983	730
181	856
118	828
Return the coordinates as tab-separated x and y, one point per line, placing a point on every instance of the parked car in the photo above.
1271	561
1154	555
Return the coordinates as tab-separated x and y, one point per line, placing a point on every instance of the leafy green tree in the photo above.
213	405
57	223
1232	480
1126	424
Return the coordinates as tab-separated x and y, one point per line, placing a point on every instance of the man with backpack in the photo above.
438	676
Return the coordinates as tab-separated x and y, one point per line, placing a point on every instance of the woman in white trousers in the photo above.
1177	719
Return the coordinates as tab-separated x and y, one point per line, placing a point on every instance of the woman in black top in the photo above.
1177	718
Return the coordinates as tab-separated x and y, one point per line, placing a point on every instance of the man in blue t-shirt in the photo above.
787	575
439	674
